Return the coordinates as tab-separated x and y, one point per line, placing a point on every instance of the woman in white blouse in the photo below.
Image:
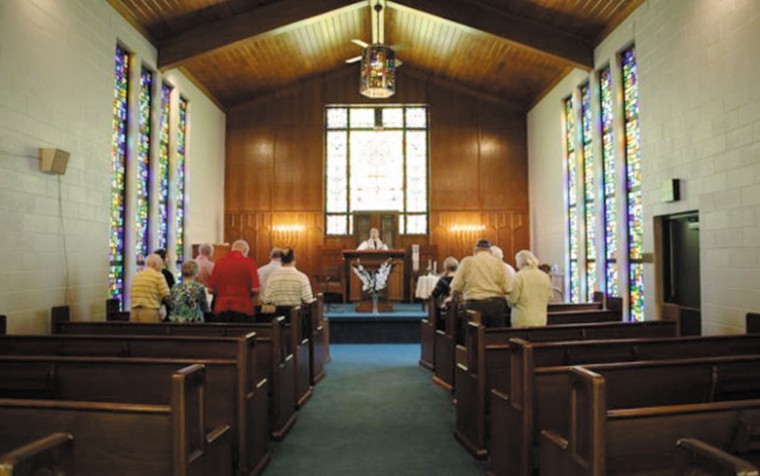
531	292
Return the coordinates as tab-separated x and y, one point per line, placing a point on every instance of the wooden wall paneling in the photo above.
454	178
503	172
298	169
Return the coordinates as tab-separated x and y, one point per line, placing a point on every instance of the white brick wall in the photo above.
699	61
56	88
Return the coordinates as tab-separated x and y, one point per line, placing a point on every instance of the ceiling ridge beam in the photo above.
534	35
269	19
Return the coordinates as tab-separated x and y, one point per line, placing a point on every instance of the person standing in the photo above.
205	264
483	282
189	297
170	281
275	263
532	291
287	286
149	291
234	283
442	288
374	242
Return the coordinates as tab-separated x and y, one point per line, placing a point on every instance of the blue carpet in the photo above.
376	413
400	310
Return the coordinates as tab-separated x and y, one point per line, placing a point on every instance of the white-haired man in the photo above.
234	283
205	265
149	290
531	293
374	242
275	263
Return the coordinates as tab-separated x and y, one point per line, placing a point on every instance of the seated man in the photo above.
234	283
287	286
373	243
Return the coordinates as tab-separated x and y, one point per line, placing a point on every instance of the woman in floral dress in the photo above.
189	297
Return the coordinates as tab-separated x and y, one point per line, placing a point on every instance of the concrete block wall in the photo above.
699	61
56	90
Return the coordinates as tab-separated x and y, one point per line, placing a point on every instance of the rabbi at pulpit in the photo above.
374	242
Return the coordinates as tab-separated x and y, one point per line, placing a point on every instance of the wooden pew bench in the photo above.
50	455
488	366
243	393
272	358
697	458
626	418
126	439
427	334
516	415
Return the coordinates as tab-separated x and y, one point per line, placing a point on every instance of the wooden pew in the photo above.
695	457
625	418
449	343
488	366
753	323
50	455
427	334
3	325
319	343
272	358
129	439
516	415
584	316
236	396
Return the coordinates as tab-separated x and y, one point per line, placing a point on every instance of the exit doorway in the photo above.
681	291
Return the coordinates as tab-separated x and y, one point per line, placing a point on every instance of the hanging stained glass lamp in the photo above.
378	72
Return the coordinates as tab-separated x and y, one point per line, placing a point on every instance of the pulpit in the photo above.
371	260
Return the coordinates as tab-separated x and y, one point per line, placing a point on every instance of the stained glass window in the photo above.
571	161
587	139
180	197
142	236
163	167
633	184
609	178
376	159
118	174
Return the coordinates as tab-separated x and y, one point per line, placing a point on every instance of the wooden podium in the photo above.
371	260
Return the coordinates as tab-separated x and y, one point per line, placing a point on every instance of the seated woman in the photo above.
189	297
531	292
442	288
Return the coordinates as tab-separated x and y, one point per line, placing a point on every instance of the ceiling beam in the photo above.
273	18
535	35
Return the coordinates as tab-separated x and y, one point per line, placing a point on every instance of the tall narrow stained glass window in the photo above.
142	234
118	174
633	184
572	205
181	156
163	167
609	178
589	192
376	159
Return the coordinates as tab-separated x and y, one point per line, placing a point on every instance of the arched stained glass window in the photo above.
181	198
376	159
609	179
162	178
118	174
589	191
633	184
571	161
142	233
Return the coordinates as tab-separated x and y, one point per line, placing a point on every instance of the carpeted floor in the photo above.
376	413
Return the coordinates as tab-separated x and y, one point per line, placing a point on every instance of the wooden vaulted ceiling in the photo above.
237	50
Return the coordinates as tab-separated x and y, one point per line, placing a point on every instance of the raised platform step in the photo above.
400	326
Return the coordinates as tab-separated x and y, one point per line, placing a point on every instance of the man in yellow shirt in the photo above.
484	284
149	290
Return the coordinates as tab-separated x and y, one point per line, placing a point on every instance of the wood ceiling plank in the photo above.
266	20
535	35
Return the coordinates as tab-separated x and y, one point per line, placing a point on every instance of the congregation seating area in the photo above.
597	397
119	397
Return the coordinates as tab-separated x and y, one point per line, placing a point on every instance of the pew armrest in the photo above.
53	453
554	455
697	457
218	451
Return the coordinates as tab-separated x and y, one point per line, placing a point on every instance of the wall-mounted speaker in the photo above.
54	160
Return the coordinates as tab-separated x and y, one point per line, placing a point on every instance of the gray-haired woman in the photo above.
189	297
531	292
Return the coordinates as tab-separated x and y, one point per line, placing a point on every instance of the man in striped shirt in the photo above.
149	290
287	286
